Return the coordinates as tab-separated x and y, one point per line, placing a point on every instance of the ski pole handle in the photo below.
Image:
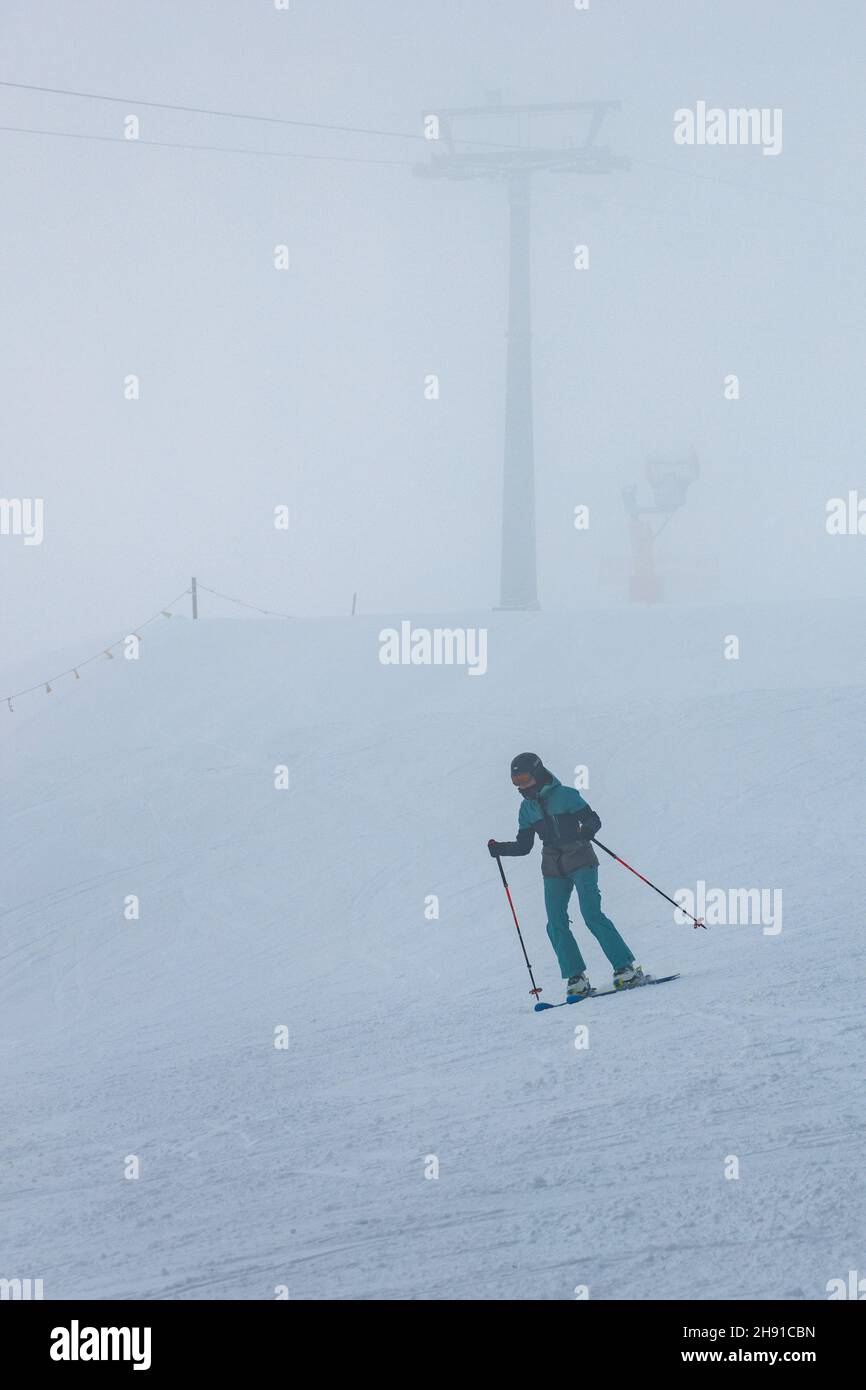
499	864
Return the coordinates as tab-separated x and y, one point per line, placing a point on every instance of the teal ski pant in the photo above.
557	892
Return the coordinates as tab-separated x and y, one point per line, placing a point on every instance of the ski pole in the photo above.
535	989
697	920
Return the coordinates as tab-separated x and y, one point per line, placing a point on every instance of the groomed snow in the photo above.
409	1037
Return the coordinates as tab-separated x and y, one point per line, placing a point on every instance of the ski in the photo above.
597	993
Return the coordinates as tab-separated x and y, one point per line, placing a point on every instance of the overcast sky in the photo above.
305	387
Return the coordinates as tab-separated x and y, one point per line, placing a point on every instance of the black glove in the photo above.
493	847
590	824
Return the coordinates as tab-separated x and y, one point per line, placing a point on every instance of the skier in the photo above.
565	824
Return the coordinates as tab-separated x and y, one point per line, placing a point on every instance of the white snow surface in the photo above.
410	1038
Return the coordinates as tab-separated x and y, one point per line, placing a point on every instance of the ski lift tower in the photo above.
514	162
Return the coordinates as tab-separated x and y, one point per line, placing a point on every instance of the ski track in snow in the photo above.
305	1167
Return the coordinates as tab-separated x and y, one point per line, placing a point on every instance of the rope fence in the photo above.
106	653
268	612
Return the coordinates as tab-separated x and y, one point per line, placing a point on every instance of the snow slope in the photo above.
410	1037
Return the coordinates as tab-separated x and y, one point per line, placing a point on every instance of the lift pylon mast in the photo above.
515	164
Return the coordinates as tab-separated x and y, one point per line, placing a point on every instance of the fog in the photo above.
304	388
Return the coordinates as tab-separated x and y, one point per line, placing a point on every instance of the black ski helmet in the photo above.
528	772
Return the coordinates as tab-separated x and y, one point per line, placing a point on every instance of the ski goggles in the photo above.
523	780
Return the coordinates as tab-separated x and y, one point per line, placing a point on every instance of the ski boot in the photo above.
578	987
628	976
